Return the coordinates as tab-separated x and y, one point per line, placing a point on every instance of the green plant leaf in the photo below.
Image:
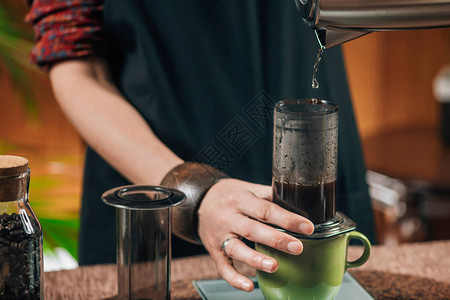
61	233
15	45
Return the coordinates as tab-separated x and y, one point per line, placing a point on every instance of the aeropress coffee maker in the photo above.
304	182
143	224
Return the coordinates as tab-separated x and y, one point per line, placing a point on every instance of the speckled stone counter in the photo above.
408	271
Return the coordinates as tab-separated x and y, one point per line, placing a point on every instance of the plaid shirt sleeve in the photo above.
64	29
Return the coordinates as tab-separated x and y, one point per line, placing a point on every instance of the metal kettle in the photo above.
339	21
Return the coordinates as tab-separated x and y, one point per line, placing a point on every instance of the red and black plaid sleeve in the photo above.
64	29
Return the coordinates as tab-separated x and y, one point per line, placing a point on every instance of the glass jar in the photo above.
21	264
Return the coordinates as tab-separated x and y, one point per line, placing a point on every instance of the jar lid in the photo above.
11	165
338	225
143	197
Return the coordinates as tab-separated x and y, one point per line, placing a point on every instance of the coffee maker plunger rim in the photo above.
124	197
330	107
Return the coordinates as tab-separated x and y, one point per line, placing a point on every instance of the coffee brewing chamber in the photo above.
144	227
339	21
304	162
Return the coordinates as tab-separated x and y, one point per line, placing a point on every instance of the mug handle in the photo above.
365	256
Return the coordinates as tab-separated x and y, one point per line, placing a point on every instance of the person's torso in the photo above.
205	76
201	72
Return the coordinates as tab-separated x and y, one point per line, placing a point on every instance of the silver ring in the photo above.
225	243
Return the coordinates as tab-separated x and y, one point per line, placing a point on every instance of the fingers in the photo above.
238	250
229	273
268	212
267	235
262	191
232	207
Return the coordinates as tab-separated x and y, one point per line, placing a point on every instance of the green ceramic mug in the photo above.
316	273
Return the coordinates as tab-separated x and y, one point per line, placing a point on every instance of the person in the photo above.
161	89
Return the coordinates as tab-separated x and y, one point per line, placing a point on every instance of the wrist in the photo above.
194	180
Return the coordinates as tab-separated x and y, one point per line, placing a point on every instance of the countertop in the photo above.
407	271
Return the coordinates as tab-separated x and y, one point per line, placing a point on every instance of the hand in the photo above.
234	208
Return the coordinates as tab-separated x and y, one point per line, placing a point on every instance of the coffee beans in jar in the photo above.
21	272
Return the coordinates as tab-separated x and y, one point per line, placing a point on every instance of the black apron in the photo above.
204	74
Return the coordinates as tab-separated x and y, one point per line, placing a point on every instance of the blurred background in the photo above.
31	125
399	106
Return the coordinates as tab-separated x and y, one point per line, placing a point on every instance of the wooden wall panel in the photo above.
391	74
49	132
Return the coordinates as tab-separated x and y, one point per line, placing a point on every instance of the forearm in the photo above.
108	123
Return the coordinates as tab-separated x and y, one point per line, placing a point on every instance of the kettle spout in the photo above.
332	36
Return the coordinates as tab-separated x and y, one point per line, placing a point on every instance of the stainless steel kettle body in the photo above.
339	21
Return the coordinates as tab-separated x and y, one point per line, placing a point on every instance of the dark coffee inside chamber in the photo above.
313	201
